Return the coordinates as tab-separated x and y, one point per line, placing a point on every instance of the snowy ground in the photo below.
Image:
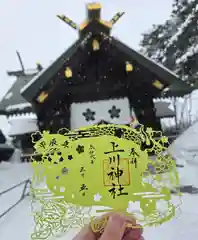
18	224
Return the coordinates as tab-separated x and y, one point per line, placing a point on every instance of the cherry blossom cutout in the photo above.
62	189
97	197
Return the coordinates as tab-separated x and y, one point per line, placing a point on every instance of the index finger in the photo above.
115	228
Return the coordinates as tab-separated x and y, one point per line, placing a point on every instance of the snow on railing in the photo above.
23	195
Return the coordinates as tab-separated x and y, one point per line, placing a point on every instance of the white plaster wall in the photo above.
101	109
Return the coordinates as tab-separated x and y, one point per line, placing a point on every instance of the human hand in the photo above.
114	230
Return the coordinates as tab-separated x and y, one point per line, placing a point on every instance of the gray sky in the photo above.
32	28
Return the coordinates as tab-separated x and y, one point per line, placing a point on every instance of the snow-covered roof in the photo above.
163	110
29	83
30	89
22	125
13	99
18	106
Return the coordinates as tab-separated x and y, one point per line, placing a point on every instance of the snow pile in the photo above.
185	150
183	227
16	156
13	173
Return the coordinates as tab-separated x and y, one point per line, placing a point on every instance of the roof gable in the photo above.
92	28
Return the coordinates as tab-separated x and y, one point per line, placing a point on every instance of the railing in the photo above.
23	195
29	157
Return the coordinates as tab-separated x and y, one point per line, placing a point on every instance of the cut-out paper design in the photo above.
89	115
114	112
54	216
106	166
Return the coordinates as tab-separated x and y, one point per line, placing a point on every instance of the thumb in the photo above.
115	228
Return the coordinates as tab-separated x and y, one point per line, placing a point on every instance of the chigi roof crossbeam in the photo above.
92	20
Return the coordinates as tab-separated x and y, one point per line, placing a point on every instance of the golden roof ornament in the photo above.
93	14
